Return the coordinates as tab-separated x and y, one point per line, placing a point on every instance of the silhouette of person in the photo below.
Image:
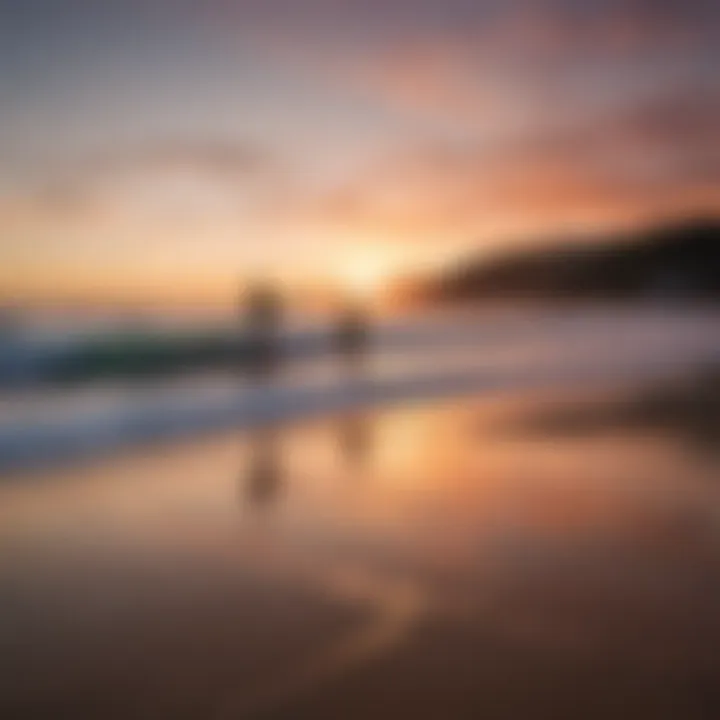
263	480
262	314
352	334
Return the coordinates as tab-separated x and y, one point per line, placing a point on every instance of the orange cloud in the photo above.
659	157
533	63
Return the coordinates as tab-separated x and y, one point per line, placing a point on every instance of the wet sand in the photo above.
413	563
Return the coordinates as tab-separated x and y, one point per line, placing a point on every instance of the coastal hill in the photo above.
672	261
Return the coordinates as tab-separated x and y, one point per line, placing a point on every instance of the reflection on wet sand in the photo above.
264	478
525	576
394	607
684	408
355	440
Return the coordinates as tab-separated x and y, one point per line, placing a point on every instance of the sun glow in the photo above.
366	275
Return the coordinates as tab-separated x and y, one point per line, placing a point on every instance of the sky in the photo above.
168	149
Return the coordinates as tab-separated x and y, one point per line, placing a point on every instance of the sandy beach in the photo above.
431	562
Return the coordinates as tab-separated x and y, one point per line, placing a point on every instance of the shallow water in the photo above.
426	562
455	354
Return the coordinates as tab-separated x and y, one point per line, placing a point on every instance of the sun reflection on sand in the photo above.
449	538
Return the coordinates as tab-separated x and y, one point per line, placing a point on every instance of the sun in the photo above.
365	276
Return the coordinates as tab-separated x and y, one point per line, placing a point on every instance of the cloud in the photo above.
161	205
532	61
208	156
660	156
194	169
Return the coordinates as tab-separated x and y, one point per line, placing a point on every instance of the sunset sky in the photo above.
164	148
